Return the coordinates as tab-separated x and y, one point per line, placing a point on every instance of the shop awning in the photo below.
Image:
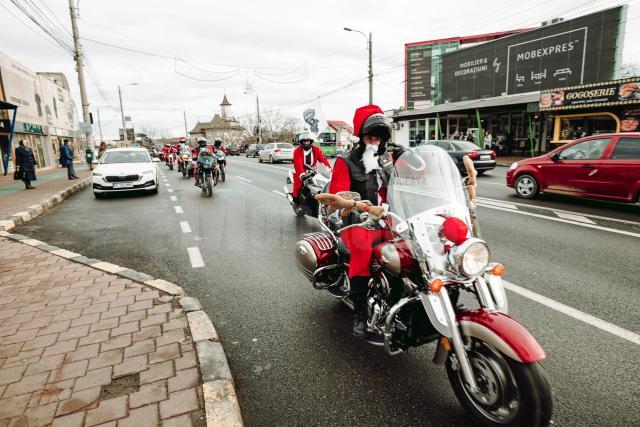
498	101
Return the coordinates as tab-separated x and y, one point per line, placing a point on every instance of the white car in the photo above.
276	152
125	169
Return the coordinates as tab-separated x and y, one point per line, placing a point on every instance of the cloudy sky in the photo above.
289	52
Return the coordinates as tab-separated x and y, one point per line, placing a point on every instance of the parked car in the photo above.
603	166
276	152
125	169
483	160
253	150
232	150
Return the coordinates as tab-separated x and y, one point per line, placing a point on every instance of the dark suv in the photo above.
253	149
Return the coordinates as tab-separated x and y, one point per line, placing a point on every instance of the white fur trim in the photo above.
354	139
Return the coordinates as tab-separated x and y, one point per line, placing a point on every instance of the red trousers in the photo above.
360	242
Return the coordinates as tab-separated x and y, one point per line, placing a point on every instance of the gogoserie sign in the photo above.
619	92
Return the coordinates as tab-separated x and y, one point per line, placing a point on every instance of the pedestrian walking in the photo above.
66	160
102	149
488	140
26	164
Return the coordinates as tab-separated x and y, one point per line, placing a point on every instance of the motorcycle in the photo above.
171	159
184	164
222	163
314	182
207	172
431	254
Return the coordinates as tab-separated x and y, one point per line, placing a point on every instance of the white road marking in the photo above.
279	193
576	314
168	185
499	204
265	167
241	178
184	225
531	205
195	257
491	183
573	217
169	190
566	221
173	198
178	209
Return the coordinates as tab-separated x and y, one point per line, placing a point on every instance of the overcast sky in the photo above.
288	51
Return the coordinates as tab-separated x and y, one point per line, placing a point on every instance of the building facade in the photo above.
45	114
223	126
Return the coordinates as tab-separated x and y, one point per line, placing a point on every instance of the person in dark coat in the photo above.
26	162
66	160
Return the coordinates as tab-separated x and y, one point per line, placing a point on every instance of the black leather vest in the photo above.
366	184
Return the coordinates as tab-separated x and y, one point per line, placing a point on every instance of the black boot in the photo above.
359	287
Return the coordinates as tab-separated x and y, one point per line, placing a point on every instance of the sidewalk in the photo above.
14	197
85	342
507	161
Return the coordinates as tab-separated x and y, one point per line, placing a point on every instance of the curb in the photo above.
218	389
33	211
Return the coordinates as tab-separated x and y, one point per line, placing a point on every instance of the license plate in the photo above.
485	157
123	185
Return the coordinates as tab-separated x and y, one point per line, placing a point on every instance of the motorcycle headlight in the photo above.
470	258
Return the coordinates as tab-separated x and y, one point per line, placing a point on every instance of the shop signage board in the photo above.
578	51
418	71
618	92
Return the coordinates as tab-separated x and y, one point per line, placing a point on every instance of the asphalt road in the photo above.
289	346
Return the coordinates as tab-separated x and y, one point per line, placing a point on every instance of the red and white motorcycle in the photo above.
433	253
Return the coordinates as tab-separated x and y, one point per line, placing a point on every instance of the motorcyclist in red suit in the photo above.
360	170
165	152
305	154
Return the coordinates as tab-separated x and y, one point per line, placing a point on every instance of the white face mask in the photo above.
370	157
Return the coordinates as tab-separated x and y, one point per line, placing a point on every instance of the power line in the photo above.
39	34
51	33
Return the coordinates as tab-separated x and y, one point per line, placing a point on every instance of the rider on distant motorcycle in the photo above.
360	170
165	152
202	145
305	154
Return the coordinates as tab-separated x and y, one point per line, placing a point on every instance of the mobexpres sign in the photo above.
582	50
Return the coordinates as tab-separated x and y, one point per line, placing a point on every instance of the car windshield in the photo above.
284	145
464	145
125	157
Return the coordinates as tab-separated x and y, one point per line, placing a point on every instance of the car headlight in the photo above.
470	258
147	172
513	165
97	174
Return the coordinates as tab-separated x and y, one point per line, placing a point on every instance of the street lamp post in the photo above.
124	125
370	48
246	92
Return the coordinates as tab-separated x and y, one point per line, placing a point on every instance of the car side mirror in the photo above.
94	162
555	157
155	159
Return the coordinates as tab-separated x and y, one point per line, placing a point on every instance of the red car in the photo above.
603	166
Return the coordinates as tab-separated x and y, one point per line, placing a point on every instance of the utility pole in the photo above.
100	125
259	123
370	71
124	127
186	130
80	70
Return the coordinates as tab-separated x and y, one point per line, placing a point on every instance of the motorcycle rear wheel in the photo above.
512	393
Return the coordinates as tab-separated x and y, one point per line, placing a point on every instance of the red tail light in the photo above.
277	150
473	155
493	154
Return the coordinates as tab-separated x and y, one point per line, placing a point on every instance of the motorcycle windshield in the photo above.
322	169
424	189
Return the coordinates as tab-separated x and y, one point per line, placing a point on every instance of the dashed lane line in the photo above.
576	314
573	217
169	190
178	209
241	178
185	227
195	257
499	204
173	198
566	221
279	193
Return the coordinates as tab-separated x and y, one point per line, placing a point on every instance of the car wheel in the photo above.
271	160
481	172
259	159
98	195
526	186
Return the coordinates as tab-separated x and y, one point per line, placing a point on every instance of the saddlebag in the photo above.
315	251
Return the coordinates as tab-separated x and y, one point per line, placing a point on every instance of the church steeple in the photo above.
224	107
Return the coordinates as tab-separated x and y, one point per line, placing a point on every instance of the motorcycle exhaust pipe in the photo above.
289	195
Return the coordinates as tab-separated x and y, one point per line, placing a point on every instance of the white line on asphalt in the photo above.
168	185
184	225
492	183
241	178
573	217
265	167
173	198
169	190
279	193
566	221
178	209
496	203
195	257
576	314
531	205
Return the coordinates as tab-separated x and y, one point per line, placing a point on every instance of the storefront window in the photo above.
580	126
417	131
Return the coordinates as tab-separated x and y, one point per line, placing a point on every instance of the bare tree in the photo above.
629	70
275	125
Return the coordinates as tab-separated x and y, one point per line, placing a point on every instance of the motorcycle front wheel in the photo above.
511	393
209	185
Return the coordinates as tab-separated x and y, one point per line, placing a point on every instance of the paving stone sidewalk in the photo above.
80	346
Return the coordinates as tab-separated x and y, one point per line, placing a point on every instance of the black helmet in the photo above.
376	125
217	143
202	142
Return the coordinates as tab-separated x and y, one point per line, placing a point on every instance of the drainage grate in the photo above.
120	387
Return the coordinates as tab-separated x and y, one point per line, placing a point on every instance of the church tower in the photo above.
225	108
